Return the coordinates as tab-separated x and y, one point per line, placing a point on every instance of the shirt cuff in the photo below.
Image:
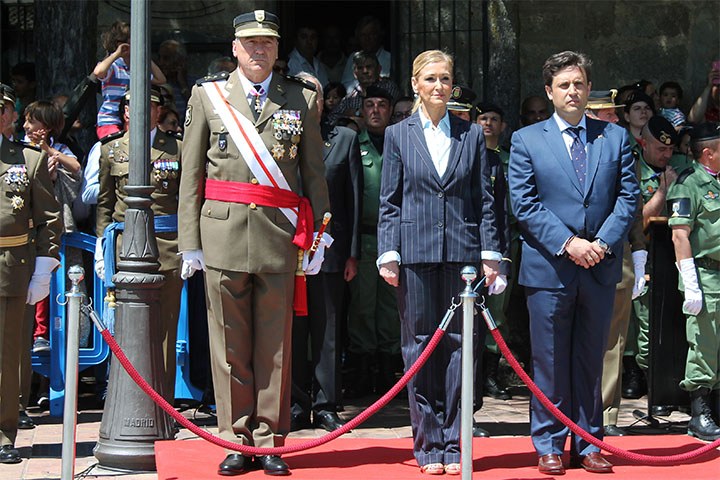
387	257
490	255
561	252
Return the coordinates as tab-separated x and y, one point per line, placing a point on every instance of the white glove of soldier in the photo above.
498	286
99	259
192	260
312	267
639	259
39	286
693	294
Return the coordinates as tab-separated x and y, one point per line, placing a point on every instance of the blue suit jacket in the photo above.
429	219
551	205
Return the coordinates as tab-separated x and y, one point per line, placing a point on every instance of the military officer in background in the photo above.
27	258
601	106
694	205
252	142
657	169
373	320
165	156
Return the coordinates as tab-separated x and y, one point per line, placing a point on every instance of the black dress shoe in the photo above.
234	464
8	454
299	422
613	431
273	465
327	420
24	421
479	432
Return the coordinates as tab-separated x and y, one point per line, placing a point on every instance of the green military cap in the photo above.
257	24
601	99
461	99
155	95
705	131
7	95
660	128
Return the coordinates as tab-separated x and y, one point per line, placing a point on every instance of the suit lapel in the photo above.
458	130
237	97
275	100
595	143
555	141
417	138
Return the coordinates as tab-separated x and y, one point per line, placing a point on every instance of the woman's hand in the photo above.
491	268
390	272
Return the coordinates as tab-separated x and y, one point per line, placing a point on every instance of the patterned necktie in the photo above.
258	93
578	155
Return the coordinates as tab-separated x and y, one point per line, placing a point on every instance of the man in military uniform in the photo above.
601	106
657	169
247	136
373	322
694	203
165	155
27	259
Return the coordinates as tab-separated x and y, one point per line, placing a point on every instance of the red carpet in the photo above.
388	459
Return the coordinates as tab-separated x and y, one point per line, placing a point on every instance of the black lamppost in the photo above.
131	421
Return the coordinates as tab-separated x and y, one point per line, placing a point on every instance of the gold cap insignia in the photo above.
260	16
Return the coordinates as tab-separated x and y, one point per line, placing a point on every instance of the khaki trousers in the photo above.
250	328
612	361
12	311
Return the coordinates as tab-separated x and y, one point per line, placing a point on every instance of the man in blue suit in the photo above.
574	191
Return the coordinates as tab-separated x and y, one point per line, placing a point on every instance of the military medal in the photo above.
17	179
287	125
711	195
293	150
17	202
164	169
278	151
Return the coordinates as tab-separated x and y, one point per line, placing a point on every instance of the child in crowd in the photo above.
114	74
44	121
670	97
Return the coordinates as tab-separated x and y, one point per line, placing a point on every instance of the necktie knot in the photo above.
575	132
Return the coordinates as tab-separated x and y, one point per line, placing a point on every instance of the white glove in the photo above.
39	286
639	259
192	260
99	259
693	294
498	286
312	267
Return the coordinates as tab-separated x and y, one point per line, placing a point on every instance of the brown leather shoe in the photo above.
592	462
551	464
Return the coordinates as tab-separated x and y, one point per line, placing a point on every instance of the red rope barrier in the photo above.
638	457
249	450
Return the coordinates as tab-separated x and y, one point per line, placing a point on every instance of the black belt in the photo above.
368	229
708	263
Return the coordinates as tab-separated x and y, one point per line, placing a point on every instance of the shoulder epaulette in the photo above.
302	81
213	78
112	136
684	174
30	146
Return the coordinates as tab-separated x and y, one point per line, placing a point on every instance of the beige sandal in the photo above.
453	469
433	469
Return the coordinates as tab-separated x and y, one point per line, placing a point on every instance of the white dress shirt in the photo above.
249	89
297	63
348	78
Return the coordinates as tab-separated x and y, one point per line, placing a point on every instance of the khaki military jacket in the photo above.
165	159
27	203
247	237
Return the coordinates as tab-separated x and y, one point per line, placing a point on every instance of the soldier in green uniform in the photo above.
30	229
373	322
165	156
490	117
657	169
694	203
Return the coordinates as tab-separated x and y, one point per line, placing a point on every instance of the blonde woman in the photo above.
436	216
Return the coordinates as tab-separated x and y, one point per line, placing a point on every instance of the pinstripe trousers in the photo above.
424	294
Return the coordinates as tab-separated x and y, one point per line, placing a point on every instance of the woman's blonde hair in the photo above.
423	60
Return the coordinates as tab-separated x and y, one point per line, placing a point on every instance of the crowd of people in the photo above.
418	187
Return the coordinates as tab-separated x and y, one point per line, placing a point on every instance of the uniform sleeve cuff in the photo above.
490	255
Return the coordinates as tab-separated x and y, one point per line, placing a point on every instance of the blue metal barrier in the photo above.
52	364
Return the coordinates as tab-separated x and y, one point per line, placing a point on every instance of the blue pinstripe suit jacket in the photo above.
429	219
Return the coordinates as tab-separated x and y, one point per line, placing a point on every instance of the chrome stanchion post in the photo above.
469	274
72	319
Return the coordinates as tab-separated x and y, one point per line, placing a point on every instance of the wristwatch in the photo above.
603	245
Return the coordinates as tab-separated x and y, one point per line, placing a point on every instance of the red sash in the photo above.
238	192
